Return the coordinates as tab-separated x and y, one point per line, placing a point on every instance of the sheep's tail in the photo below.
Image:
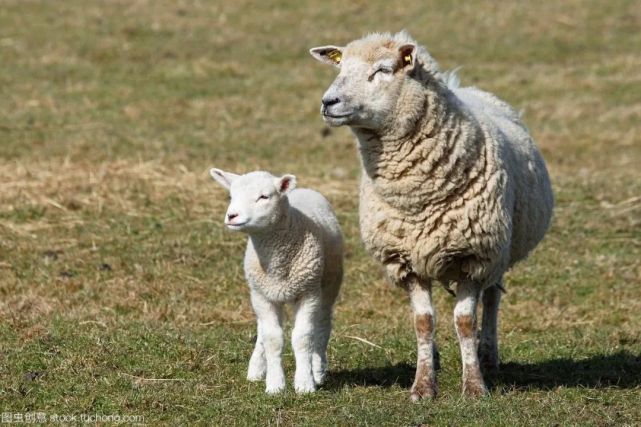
451	78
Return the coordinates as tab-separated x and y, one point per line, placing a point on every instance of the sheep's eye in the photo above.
383	70
263	197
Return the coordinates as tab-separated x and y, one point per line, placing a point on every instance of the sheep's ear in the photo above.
407	56
285	183
223	178
331	55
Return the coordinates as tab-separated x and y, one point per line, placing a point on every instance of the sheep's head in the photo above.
258	199
374	71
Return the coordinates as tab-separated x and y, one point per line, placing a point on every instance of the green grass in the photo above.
121	293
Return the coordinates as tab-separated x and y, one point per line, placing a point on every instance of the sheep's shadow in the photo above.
620	370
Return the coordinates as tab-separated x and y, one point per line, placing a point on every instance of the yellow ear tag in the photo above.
407	59
335	56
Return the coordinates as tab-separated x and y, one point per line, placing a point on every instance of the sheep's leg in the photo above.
424	321
257	363
465	321
271	333
306	312
488	347
322	332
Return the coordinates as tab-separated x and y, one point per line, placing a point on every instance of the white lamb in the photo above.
294	255
453	188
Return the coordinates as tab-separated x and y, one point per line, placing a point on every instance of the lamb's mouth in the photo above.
236	225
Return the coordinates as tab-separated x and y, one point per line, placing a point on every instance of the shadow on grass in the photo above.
401	374
622	370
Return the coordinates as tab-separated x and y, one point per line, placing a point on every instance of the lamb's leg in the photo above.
257	363
465	321
306	311
271	332
488	347
424	322
322	332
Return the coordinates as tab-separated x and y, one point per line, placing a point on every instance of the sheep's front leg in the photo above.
465	321
257	363
306	312
424	321
271	333
488	347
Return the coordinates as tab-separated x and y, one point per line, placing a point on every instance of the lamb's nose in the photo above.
231	216
329	101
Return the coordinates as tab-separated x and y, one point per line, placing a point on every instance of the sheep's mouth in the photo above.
337	119
336	116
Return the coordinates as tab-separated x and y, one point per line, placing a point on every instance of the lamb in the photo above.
453	188
294	255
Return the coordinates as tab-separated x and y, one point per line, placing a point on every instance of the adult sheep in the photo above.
454	189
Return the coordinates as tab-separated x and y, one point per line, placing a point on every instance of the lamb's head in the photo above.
377	74
258	199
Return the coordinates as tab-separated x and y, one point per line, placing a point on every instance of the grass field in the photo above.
121	293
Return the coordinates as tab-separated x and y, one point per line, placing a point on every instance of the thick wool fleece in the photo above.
453	188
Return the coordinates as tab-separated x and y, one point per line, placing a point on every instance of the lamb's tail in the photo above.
451	78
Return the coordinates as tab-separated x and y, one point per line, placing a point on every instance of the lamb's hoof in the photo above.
275	385
254	377
423	390
255	374
305	386
319	377
275	389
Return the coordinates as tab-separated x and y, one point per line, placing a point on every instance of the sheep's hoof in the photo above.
423	390
488	360
474	389
489	365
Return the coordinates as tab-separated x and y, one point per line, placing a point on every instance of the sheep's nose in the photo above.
329	101
231	216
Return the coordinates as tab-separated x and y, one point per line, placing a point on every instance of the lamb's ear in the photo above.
407	56
331	55
223	178
285	183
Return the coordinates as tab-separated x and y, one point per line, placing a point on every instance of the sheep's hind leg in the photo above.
420	294
488	346
257	363
465	322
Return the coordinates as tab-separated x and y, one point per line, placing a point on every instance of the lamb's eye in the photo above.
263	197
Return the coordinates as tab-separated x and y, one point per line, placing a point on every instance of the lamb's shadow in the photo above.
383	376
621	370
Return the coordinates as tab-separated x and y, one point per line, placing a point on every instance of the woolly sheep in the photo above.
454	189
294	255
